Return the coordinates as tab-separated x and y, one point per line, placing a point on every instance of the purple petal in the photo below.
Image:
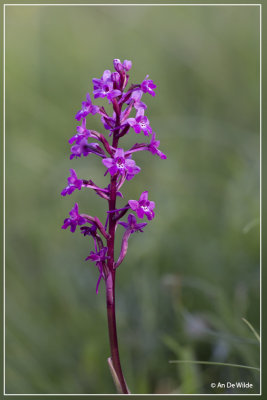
113	170
144	196
140	212
151	205
106	75
131	121
137	128
131	219
134	204
124	224
108	162
88	98
94	110
66	223
119	153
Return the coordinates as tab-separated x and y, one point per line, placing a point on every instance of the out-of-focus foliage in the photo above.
192	276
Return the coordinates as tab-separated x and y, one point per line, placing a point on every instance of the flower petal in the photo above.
133	204
144	196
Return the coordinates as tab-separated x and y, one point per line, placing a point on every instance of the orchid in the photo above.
132	225
74	183
121	166
83	133
140	123
87	108
148	85
74	220
143	206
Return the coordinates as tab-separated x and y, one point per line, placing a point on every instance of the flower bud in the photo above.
115	77
117	65
127	65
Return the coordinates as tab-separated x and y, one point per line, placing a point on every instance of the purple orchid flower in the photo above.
104	87
143	206
87	108
153	147
136	99
140	123
83	133
84	148
148	85
132	225
99	258
74	220
89	230
74	183
121	165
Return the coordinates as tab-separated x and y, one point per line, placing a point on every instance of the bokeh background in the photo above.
192	276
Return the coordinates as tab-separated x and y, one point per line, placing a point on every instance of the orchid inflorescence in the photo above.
121	166
119	163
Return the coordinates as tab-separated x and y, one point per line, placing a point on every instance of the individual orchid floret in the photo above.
104	87
143	206
74	220
89	230
99	258
84	148
73	183
83	133
87	108
132	225
153	147
121	165
148	85
140	123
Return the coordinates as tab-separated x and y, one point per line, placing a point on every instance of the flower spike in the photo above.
128	111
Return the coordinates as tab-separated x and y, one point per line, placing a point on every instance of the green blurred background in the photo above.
192	276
